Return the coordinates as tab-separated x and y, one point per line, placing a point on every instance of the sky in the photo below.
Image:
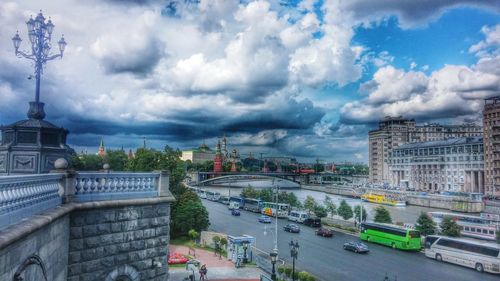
306	79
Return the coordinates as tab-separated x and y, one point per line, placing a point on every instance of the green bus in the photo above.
392	236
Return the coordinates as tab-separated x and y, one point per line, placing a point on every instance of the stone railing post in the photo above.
163	183
67	183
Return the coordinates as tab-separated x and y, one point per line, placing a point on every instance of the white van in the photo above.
298	216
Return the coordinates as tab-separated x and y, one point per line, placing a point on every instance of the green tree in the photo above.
329	205
425	225
249	192
320	211
344	210
382	215
117	159
266	195
87	162
188	213
449	227
309	203
223	242
145	160
358	212
193	234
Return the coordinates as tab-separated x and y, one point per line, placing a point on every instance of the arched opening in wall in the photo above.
123	273
32	269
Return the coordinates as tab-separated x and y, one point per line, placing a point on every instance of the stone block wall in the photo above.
105	243
49	243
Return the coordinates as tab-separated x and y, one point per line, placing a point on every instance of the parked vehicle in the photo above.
465	252
325	232
313	222
236	199
292	228
233	205
356	247
271	209
298	216
224	200
264	219
391	235
212	196
235	212
484	226
252	205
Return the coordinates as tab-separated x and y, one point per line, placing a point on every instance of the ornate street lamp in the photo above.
40	36
273	255
294	252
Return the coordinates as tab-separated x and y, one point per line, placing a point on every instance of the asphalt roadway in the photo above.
325	258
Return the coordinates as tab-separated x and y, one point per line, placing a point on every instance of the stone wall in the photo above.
105	242
49	243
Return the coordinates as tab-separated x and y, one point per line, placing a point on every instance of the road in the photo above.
325	258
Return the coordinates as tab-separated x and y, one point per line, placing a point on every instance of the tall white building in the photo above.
396	131
444	165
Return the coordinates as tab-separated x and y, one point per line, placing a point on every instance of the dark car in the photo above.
291	227
325	232
312	222
356	247
264	219
235	212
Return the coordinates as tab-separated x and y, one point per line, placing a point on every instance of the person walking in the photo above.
203	272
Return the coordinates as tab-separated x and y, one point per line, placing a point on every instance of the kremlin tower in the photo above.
218	159
102	151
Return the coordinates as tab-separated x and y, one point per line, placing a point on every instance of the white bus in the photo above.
298	216
465	252
270	209
484	227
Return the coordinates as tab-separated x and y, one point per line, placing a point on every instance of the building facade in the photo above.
444	165
396	131
491	125
198	155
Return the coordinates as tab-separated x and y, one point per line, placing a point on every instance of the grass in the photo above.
186	241
179	265
346	228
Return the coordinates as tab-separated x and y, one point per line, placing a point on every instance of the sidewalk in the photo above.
218	269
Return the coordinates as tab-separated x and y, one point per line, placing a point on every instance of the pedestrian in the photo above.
203	272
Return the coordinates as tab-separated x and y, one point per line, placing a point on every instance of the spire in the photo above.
102	150
144	142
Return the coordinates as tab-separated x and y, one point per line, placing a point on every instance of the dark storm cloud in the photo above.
139	61
293	115
411	11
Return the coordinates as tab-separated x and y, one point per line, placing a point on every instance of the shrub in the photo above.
288	271
281	270
303	276
311	278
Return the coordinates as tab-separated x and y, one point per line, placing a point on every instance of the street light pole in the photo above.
40	36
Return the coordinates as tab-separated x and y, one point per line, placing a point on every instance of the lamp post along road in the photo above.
40	36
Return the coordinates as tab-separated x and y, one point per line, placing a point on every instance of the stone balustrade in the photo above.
24	196
95	186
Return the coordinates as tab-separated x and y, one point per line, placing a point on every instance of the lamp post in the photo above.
294	252
40	36
273	255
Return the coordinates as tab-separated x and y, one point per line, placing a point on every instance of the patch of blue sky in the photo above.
444	41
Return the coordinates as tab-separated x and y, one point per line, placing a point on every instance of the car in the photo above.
235	212
292	228
325	232
264	219
356	247
312	222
